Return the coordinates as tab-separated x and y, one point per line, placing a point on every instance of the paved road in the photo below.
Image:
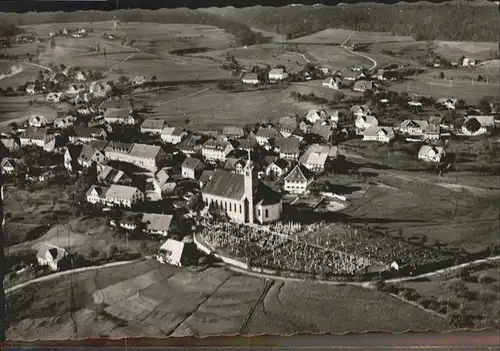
358	53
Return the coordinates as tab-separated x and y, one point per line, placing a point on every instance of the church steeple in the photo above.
247	173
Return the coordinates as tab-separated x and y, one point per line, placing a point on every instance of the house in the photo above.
265	135
96	194
298	134
174	252
173	135
205	177
160	224
116	104
192	168
316	115
277	168
86	110
241	197
484	123
216	150
159	185
90	155
50	255
37	121
53	97
149	157
109	175
56	145
288	148
334	115
152	126
435	120
123	195
364	122
38	137
250	79
364	85
432	132
322	130
468	62
138	80
360	110
380	134
450	104
247	144
287	125
100	90
277	74
87	134
298	180
7	166
431	153
191	145
314	160
80	76
75	89
351	75
119	116
71	157
413	127
233	132
10	144
332	83
30	89
414	104
64	122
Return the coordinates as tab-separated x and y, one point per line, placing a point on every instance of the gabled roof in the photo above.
205	176
116	104
162	177
250	76
86	153
415	123
350	74
324	131
116	146
216	144
281	163
191	163
117	113
50	252
121	191
287	145
425	149
247	143
226	184
374	130
233	131
435	119
364	84
111	175
87	132
485	121
320	113
174	131
288	122
268	133
175	248
98	145
363	108
299	173
7	162
157	222
101	190
277	71
372	120
36	134
144	150
150	123
314	158
9	143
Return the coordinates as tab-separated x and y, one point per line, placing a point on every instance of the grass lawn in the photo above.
27	73
335	57
18	108
453	50
154	300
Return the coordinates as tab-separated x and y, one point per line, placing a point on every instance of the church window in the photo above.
230	207
240	209
267	213
258	212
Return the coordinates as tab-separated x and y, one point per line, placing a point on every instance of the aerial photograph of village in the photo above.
257	170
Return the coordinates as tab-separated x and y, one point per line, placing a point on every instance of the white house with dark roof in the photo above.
37	121
380	134
448	103
298	180
216	150
241	197
118	116
413	127
109	175
485	122
277	168
96	194
152	126
54	97
64	122
360	110
173	135
265	135
364	122
7	166
432	132
100	90
159	185
123	195
288	148
30	89
39	137
192	168
10	144
88	134
323	130
277	74
287	125
313	116
149	157
364	85
431	153
90	155
332	83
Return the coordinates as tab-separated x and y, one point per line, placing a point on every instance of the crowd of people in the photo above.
303	258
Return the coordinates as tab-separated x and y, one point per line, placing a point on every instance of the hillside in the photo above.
457	21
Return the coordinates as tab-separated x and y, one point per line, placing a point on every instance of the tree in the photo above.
154	79
123	79
472	125
461	60
484	105
112	251
479	78
441	75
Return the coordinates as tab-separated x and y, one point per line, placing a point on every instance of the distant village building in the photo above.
251	78
37	121
139	80
30	89
149	157
413	127
120	195
287	125
53	97
298	180
277	74
175	253
87	134
449	104
360	110
100	90
10	144
323	131
241	197
192	168
152	126
215	150
90	155
431	153
39	137
7	166
265	135
316	115
432	132
277	168
468	62
173	135
380	134
159	185
365	122
288	148
64	122
364	85
50	255
332	83
484	123
108	175
233	132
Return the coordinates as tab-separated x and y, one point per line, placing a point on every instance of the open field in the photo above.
16	73
266	54
478	293
214	108
465	90
453	50
335	57
18	109
154	300
338	35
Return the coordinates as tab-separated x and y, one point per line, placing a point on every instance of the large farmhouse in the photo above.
242	198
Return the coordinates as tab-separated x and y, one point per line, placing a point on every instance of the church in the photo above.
243	198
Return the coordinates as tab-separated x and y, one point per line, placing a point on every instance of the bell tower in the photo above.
247	173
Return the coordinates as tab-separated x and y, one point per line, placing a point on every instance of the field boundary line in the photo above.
265	290
72	271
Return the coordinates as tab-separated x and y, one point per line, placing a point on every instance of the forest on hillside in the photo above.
456	21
